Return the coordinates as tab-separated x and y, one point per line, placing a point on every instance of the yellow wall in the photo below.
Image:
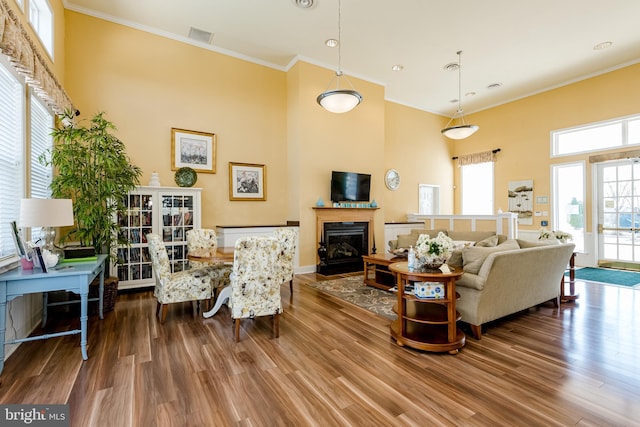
415	148
147	84
521	129
324	141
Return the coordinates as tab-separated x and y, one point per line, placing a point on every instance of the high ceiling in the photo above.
527	47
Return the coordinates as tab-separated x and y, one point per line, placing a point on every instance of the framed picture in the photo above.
247	182
17	239
196	150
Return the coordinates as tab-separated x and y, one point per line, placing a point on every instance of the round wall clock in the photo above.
392	179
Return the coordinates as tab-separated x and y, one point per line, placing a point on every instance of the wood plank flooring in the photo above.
335	365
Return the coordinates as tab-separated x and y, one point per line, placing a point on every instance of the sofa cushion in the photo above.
406	240
530	243
473	257
474	236
488	242
455	260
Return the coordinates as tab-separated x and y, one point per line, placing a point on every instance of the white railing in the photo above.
503	223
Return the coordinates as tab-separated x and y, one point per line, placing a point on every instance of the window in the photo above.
477	188
41	19
41	143
11	155
568	200
597	136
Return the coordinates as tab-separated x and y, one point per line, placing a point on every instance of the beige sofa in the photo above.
498	282
501	276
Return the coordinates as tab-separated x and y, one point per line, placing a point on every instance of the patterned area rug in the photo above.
353	290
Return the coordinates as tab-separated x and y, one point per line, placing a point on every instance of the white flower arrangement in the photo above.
563	236
434	251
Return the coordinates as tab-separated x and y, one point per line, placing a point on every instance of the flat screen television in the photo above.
350	186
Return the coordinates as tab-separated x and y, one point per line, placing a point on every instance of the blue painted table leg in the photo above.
83	324
3	327
101	295
45	306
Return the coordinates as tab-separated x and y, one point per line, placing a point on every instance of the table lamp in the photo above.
47	214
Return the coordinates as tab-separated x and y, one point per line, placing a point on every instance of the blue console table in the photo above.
72	277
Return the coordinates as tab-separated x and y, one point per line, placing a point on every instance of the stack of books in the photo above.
9	262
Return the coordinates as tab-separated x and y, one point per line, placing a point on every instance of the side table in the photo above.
572	296
427	324
379	263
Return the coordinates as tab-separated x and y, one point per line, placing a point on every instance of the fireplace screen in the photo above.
344	245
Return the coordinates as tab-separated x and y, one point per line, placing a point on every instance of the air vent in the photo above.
304	4
451	67
200	35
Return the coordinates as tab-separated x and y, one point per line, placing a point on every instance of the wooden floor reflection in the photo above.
335	364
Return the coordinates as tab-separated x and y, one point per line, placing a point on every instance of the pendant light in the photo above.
339	100
462	130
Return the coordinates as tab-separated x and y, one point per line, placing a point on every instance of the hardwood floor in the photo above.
335	364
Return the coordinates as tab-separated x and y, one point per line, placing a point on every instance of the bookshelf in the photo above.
167	211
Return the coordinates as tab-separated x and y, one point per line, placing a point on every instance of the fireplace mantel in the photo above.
329	214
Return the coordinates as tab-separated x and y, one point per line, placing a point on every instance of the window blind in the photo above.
41	143
11	155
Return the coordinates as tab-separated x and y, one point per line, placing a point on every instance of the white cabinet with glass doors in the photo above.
167	211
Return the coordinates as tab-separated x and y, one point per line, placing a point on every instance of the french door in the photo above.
618	213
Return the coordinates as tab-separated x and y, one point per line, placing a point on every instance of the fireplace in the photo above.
342	246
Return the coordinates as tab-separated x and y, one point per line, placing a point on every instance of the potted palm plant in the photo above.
93	169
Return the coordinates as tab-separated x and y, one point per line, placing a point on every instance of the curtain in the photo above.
474	158
29	62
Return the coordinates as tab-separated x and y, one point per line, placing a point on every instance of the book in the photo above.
40	259
79	252
83	259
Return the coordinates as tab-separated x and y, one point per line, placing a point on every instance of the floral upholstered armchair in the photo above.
189	285
288	238
204	242
201	242
255	281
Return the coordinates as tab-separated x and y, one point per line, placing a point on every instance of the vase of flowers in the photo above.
431	253
557	236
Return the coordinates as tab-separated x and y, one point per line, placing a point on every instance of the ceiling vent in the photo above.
200	35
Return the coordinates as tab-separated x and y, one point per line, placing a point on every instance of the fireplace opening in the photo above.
342	247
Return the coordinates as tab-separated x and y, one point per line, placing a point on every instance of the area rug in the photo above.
353	290
608	276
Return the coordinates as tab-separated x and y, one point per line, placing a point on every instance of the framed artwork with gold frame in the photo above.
196	150
247	181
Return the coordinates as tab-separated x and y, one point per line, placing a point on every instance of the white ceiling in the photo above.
529	46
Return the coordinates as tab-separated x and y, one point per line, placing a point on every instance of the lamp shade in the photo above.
46	212
460	132
339	100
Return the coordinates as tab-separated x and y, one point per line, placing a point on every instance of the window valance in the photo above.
29	62
474	158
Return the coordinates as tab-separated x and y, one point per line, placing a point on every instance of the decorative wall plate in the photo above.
392	179
186	177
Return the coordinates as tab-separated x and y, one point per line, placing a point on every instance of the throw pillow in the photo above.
455	260
473	257
406	240
488	242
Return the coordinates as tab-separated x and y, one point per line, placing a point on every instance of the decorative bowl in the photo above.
186	177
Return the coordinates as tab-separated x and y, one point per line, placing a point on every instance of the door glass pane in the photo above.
568	205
